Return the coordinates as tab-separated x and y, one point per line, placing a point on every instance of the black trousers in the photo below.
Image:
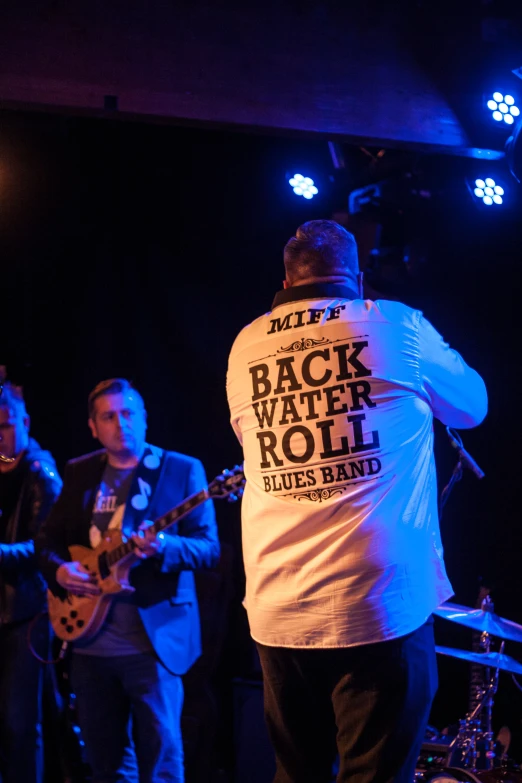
129	713
21	683
368	706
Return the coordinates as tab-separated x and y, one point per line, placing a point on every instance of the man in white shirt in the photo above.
333	398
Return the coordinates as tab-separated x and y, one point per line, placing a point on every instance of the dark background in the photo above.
140	250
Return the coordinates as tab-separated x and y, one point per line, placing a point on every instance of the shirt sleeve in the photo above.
197	544
51	541
43	488
233	397
456	392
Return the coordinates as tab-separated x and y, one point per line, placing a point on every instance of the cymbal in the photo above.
480	620
492	659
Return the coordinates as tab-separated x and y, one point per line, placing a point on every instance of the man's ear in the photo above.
92	427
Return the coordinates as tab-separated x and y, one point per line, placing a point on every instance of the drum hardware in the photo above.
470	728
435	754
492	660
504	740
462	751
461	775
483	620
471	754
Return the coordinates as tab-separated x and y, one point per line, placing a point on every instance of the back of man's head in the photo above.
321	250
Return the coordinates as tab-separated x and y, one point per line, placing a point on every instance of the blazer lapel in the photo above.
89	494
143	487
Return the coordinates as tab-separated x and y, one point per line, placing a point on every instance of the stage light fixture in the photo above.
488	191
503	108
303	186
513	151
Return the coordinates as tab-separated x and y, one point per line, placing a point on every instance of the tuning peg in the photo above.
241	491
232	498
226	472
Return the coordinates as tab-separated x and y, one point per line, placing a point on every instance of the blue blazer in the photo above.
165	589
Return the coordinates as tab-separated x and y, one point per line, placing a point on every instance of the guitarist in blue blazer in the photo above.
127	676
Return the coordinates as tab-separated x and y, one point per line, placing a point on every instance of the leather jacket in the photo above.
22	586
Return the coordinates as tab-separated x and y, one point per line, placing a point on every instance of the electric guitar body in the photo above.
80	616
76	617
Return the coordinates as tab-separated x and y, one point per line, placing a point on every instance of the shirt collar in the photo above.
313	291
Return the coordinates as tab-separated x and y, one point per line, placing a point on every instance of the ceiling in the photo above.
404	74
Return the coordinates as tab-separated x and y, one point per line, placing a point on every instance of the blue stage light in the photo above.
488	191
503	108
303	186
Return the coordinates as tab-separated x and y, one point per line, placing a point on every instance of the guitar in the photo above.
81	617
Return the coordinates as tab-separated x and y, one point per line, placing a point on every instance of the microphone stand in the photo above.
455	476
465	460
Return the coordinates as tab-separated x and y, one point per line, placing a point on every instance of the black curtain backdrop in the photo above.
140	250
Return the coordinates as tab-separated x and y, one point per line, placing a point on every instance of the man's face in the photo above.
119	422
14	430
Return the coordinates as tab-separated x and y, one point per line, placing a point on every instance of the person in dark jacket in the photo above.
29	485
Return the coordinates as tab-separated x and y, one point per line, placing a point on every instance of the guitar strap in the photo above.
143	487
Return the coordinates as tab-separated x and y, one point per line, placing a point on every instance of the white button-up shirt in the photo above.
333	400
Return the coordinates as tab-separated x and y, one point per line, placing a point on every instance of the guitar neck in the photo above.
160	524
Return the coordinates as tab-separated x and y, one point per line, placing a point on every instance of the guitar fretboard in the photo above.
162	523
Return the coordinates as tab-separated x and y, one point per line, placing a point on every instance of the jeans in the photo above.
21	683
367	705
129	711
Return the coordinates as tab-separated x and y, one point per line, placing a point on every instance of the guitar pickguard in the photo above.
81	617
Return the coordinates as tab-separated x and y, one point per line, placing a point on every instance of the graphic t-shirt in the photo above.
123	632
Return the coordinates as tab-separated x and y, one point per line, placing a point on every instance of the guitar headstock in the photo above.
230	484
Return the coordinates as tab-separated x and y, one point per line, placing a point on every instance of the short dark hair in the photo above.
320	248
110	386
12	396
